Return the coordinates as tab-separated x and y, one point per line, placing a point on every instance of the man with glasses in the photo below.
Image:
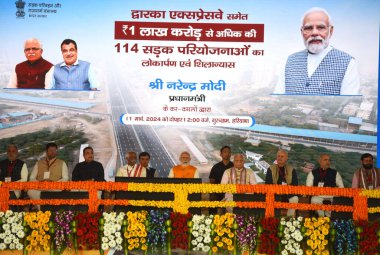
71	74
31	73
320	69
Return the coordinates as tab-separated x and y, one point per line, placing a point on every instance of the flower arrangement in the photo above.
62	231
269	239
367	237
157	230
11	230
87	230
201	232
136	231
39	237
290	230
345	241
224	233
180	235
111	237
316	231
246	233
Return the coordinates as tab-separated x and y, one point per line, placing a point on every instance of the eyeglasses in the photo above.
31	49
309	29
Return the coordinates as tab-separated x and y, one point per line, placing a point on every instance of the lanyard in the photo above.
322	174
50	164
10	167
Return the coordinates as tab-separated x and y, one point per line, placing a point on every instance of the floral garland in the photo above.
87	230
292	236
368	242
224	233
268	239
11	230
157	230
136	232
316	231
201	232
112	238
345	241
246	233
39	237
62	231
180	235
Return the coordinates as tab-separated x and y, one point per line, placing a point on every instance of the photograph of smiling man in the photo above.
320	69
30	74
71	74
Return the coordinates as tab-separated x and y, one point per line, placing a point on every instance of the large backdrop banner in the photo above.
172	76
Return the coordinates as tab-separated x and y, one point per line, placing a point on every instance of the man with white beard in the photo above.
320	69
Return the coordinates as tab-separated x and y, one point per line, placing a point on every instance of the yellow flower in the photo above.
324	242
309	252
33	242
130	247
230	235
326	252
46	247
214	249
142	240
321	247
144	247
230	247
216	238
219	244
309	242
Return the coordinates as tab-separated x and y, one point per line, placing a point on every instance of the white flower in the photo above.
8	213
208	221
288	224
1	214
12	246
107	232
207	239
200	245
104	239
2	235
118	234
199	239
19	246
111	237
20	234
284	252
119	240
205	248
105	246
7	232
112	243
6	226
299	252
300	218
2	246
7	240
195	233
194	242
292	228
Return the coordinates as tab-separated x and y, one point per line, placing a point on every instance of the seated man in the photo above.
284	174
144	158
131	169
89	169
238	174
184	170
13	169
324	176
368	176
49	168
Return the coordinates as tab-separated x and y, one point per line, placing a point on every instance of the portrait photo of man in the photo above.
320	69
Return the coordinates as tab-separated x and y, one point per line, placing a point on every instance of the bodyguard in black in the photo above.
144	158
88	169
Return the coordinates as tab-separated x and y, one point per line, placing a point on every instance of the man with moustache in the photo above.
184	170
31	73
89	169
368	176
283	173
324	176
217	172
13	169
49	168
320	69
71	74
238	174
131	169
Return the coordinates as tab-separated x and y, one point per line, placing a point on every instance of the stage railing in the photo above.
181	191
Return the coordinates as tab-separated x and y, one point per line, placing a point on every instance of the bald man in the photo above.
131	169
283	174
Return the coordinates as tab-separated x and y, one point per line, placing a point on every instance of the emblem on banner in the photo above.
20	4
